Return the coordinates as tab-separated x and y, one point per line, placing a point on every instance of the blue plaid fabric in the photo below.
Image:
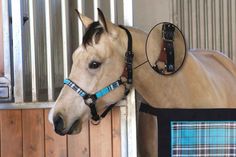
203	139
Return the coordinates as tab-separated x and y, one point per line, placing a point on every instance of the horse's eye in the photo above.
94	65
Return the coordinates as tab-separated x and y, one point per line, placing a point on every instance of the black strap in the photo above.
129	56
168	30
130	42
93	111
109	108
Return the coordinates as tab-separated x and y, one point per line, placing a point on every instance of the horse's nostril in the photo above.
59	124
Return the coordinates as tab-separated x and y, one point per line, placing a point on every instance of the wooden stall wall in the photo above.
28	133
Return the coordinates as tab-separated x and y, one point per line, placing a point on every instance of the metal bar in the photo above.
221	32
201	21
65	36
113	10
233	40
181	15
123	131
6	80
131	125
213	13
131	107
197	6
206	24
96	4
17	50
80	6
217	24
186	22
209	20
194	24
49	49
225	26
229	27
174	12
6	40
32	50
128	12
190	25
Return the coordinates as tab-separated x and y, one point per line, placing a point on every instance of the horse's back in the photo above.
220	72
214	60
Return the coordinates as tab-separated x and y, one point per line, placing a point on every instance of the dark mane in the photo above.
95	31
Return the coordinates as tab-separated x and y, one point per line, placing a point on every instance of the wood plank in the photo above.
33	133
11	142
55	145
116	134
100	138
78	145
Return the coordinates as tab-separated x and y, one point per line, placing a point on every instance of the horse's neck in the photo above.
146	81
179	90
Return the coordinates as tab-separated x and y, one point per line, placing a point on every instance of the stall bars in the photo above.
128	112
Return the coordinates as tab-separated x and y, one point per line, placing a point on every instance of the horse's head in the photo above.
97	63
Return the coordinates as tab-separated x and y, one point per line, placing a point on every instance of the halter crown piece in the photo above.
167	49
90	99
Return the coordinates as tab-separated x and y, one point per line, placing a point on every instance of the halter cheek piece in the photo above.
126	79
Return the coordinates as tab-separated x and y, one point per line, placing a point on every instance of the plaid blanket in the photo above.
203	138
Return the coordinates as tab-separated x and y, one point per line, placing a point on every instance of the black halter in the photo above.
125	79
167	50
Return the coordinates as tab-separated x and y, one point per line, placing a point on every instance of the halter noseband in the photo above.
125	79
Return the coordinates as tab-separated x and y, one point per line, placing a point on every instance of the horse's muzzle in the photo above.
59	124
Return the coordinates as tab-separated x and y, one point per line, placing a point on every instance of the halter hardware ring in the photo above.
95	122
90	99
123	79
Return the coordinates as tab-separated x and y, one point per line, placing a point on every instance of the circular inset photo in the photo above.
165	48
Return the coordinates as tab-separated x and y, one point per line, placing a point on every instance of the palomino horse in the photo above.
206	80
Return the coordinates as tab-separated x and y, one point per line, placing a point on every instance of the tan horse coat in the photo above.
206	80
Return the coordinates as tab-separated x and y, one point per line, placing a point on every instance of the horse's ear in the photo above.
106	24
86	21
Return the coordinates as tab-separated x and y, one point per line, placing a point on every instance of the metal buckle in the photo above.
129	57
166	29
168	40
164	37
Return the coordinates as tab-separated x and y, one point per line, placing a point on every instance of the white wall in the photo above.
148	13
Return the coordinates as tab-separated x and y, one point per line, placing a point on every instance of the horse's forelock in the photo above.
95	31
